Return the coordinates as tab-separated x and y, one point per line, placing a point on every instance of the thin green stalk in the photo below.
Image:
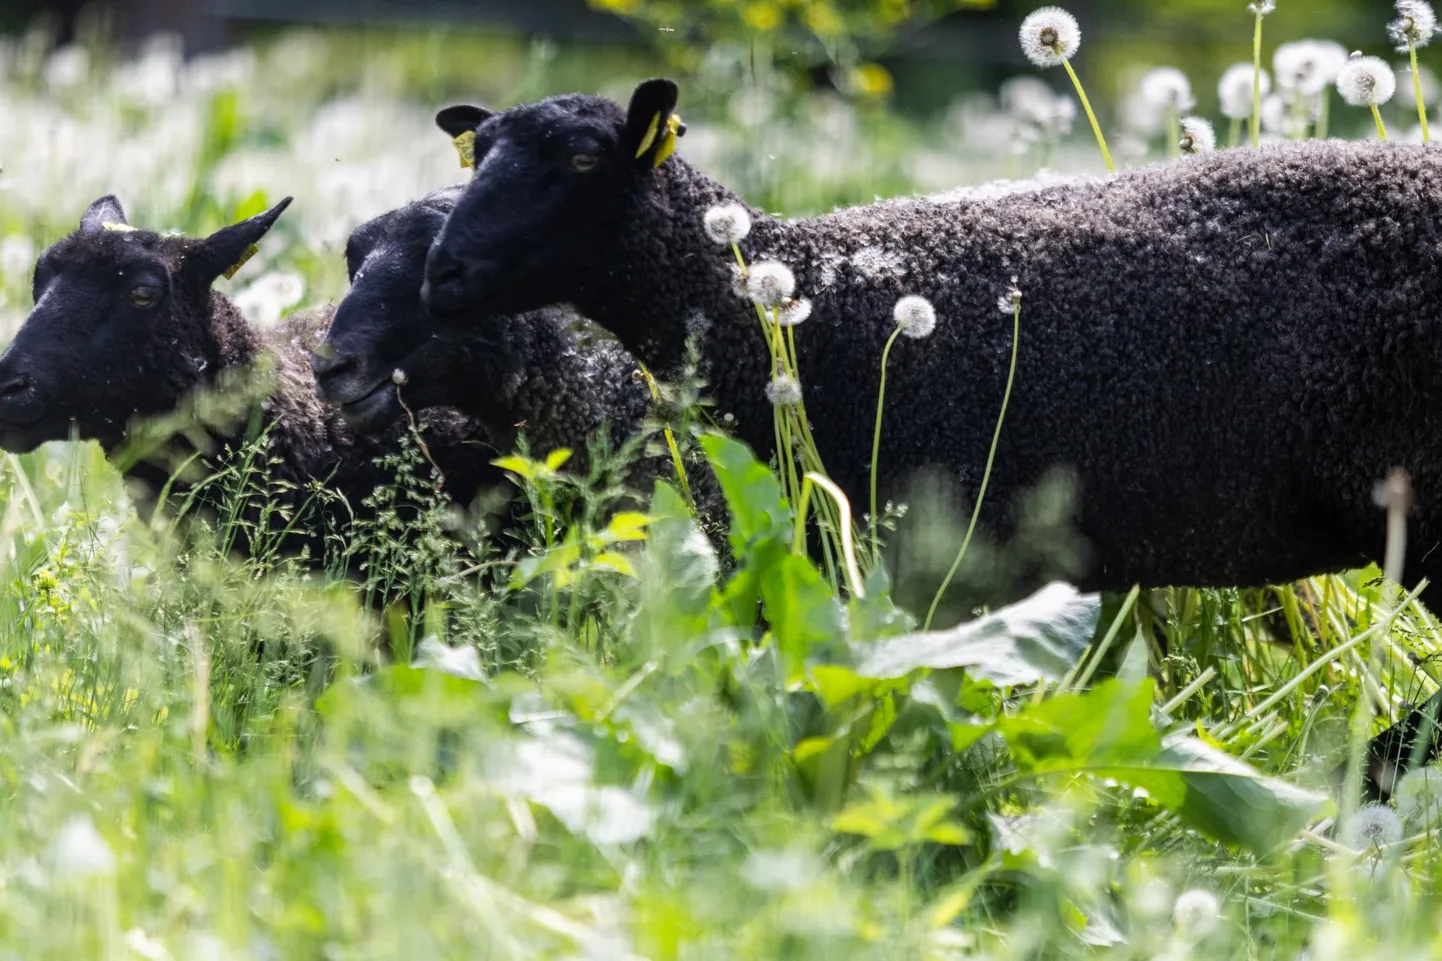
1092	117
990	459
1174	132
1257	83
1417	89
876	443
1381	128
1324	111
1235	133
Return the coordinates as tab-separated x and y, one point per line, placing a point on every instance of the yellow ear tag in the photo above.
250	252
466	147
118	228
650	137
668	142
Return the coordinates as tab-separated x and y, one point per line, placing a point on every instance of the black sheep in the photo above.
1227	352
535	374
126	327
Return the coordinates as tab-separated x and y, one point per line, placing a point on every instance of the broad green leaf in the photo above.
803	613
753	495
1039	639
616	562
516	465
558	560
557	458
889	822
626	526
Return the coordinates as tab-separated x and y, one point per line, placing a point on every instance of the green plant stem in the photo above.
1381	128
986	473
1092	117
876	445
1257	83
1235	133
1174	132
1324	112
1417	89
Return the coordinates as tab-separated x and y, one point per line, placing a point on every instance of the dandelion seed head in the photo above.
1167	87
1419	798
1197	135
727	223
795	312
770	283
1308	66
398	377
1050	36
1373	826
1234	90
1366	81
1196	912
1260	8
784	391
1415	24
915	316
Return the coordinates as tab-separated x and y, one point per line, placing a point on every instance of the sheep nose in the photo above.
14	387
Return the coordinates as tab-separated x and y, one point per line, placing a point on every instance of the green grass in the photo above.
615	738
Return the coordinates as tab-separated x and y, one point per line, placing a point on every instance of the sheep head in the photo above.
122	326
552	181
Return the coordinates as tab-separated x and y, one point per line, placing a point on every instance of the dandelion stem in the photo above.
876	444
1381	128
1417	89
1174	132
1324	110
1235	133
1257	82
986	473
1086	105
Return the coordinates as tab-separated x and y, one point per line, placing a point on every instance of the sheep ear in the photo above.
105	213
460	122
226	251
651	126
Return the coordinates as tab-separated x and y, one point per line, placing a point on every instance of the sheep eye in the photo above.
144	296
584	162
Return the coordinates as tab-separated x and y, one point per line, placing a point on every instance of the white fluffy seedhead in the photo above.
1366	81
915	316
727	224
1234	90
1167	87
1260	8
770	284
1049	36
784	391
1308	66
1197	135
1196	912
1415	24
1374	826
794	312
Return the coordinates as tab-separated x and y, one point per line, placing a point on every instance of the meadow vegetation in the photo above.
582	741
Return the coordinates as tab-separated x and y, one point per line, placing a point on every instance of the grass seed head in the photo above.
727	224
1366	81
915	316
1197	135
1234	90
1050	36
1415	24
770	284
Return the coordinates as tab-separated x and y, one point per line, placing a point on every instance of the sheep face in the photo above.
381	325
119	327
551	185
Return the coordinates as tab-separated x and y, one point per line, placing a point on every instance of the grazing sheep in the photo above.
126	327
539	377
1227	352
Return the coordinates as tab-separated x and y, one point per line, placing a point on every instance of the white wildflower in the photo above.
1366	81
265	301
1050	36
1373	826
915	316
727	223
67	67
795	312
1196	912
1415	24
784	391
1407	90
1234	90
1167	87
79	851
1197	135
1419	798
1008	302
770	284
1260	8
